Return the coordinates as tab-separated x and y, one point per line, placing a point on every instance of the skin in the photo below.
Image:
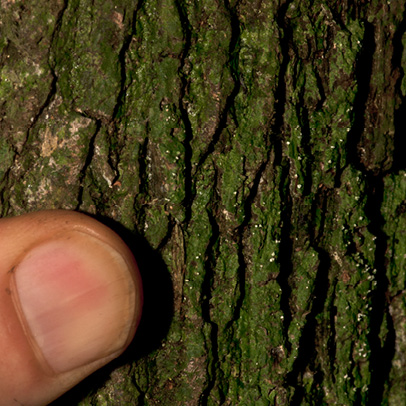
23	377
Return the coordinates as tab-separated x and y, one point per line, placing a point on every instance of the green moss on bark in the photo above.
250	148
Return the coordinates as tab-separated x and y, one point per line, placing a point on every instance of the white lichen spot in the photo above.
79	123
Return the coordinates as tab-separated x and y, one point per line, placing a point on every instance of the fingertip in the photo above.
77	294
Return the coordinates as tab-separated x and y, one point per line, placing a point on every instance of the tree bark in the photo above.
252	155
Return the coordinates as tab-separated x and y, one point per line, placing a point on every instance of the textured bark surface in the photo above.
252	154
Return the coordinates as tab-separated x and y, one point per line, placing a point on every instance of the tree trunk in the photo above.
251	153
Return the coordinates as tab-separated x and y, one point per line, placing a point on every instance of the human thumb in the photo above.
71	301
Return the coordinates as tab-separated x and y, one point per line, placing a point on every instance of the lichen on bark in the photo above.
252	150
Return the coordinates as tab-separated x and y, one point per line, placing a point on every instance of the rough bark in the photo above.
252	154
